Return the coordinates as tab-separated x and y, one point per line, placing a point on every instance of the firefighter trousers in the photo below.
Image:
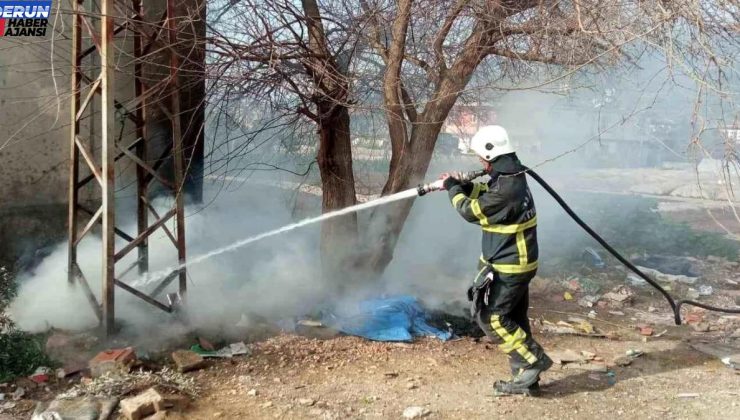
501	313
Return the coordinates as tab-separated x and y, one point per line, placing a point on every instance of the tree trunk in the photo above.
338	235
386	222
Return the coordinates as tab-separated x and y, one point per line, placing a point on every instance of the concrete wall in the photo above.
35	127
33	145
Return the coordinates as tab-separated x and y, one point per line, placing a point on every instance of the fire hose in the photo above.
675	304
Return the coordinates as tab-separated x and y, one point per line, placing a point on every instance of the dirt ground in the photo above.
296	377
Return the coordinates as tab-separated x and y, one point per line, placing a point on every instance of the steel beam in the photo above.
107	142
102	162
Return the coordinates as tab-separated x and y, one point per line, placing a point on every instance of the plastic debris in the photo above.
593	258
239	349
634	353
635	280
705	290
668	278
567	296
588	301
728	355
397	318
77	408
611	377
620	295
578	327
670	265
582	284
730	363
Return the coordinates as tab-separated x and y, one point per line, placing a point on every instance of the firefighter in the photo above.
504	210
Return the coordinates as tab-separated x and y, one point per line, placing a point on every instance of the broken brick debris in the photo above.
114	360
151	402
646	330
187	360
140	406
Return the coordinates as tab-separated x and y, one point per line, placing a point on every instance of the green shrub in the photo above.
20	352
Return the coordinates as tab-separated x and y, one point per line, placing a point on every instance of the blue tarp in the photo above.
399	318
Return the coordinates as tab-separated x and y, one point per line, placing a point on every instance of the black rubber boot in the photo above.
525	381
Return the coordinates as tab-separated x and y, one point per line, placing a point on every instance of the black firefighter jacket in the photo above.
505	211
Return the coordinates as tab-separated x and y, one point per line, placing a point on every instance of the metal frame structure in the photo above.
102	166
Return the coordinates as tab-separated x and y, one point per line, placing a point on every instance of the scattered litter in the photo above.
415	412
315	329
688	395
588	355
592	314
588	301
239	349
18	393
617	313
566	356
583	328
69	370
623	361
611	377
729	355
252	392
619	294
306	402
583	285
635	280
705	290
7	406
114	385
701	327
590	366
586	327
41	375
567	296
668	278
730	363
634	353
661	334
670	265
593	258
652	309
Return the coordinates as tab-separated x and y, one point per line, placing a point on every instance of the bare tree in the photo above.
320	61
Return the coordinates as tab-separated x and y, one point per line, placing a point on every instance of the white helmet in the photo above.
491	141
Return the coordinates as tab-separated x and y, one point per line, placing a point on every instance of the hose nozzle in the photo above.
438	185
